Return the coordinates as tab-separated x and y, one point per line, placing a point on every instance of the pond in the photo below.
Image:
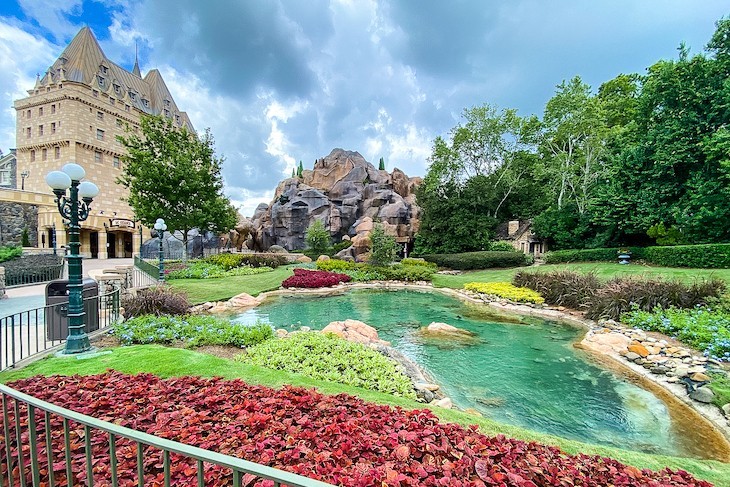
527	374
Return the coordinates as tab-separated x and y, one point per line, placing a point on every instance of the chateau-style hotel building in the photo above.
74	113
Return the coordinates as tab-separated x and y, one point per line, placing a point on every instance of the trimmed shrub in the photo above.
709	256
329	357
621	294
419	262
502	246
591	255
505	290
478	260
205	270
335	265
361	272
560	288
226	261
314	279
158	301
194	331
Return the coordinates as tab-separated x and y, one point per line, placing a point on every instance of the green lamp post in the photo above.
160	226
74	211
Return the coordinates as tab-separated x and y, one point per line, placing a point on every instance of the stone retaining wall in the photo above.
14	218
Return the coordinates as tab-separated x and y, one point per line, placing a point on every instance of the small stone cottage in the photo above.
520	235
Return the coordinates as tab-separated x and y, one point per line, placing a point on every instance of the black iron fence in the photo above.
20	277
33	331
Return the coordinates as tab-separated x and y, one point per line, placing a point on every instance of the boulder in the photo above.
700	377
639	349
304	259
726	410
355	331
703	394
277	249
445	403
323	258
243	300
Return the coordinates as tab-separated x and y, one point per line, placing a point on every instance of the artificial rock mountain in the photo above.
347	194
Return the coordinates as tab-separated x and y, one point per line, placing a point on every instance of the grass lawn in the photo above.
168	362
603	271
202	290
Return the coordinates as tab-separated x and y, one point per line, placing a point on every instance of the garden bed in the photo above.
338	439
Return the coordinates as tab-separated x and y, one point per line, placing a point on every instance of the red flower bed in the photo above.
338	439
313	279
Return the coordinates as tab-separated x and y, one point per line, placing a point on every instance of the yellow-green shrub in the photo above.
505	290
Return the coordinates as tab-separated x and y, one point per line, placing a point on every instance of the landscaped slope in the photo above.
339	439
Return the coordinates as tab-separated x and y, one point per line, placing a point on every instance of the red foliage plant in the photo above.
339	439
314	279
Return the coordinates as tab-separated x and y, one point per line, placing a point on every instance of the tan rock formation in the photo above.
355	331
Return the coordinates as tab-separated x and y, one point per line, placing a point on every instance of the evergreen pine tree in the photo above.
382	165
300	170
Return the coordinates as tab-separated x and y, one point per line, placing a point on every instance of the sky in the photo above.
279	81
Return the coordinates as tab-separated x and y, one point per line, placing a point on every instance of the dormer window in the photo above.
167	113
132	96
117	88
145	102
101	80
104	69
167	103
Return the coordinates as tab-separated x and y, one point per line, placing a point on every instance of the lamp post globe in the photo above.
75	208
160	226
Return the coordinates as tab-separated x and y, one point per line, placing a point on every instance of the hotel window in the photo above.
4	178
104	69
99	134
44	153
119	123
98	157
101	80
40	111
32	156
40	130
100	115
28	113
117	88
53	108
116	161
57	152
167	113
28	132
95	93
126	107
53	127
112	101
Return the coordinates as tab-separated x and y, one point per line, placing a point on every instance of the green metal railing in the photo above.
30	332
23	277
150	269
37	434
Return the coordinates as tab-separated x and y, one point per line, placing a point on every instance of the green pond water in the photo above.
525	374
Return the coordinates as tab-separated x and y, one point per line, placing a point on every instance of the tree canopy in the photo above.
172	173
644	160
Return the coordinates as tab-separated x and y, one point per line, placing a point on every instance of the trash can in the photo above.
57	308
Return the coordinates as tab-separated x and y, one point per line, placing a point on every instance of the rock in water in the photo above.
347	194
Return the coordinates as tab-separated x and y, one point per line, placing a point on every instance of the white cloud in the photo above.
21	54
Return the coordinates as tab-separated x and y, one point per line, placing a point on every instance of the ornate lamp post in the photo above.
23	175
74	211
161	227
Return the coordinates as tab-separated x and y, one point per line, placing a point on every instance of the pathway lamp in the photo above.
75	211
161	227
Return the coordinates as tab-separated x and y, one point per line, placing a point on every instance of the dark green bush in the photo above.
339	246
478	260
225	260
263	260
158	301
560	288
8	252
362	272
591	255
710	256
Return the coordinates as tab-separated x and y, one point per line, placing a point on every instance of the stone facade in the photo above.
2	282
74	113
8	170
14	218
522	238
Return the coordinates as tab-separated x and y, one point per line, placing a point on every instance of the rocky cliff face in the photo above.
347	194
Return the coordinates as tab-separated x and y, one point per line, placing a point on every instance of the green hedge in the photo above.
479	260
591	255
710	256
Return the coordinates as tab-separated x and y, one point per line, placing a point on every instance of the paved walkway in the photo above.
88	265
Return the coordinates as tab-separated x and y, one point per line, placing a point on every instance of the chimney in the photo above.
512	227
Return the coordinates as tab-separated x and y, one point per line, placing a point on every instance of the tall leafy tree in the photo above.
172	173
472	177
